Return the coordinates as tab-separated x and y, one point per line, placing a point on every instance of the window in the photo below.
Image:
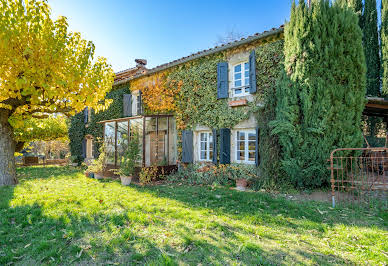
241	79
205	146
246	146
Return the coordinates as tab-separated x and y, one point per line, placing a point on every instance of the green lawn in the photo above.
58	216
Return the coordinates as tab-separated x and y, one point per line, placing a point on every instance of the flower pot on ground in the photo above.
126	180
241	184
129	160
242	174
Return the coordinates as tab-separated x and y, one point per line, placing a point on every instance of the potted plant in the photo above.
242	174
129	161
96	168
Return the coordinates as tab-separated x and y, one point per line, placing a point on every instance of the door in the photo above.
157	147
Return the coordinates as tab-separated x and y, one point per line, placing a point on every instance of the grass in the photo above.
58	216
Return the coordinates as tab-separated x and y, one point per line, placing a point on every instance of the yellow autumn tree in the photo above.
44	69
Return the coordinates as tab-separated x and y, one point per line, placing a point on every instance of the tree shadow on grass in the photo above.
32	237
263	207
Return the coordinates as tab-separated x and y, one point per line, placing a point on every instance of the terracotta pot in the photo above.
241	184
126	180
98	176
87	174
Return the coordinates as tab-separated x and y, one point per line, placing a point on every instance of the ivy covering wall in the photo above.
78	131
189	92
76	135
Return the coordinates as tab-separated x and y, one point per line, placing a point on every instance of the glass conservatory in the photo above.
157	138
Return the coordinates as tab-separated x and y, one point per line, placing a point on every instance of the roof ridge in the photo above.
205	52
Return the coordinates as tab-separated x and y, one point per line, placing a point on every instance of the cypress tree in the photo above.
384	45
320	96
355	5
371	47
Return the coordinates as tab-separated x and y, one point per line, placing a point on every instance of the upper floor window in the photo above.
205	146
241	79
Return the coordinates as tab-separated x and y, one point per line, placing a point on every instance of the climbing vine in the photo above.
189	92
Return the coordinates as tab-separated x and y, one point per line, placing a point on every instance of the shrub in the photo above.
198	174
148	174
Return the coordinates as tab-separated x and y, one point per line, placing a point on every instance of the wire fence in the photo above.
359	176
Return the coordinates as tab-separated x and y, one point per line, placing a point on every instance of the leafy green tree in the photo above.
371	47
35	129
384	45
320	96
44	69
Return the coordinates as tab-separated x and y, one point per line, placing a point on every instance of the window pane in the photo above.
241	145
237	68
246	74
246	65
238	91
241	135
203	155
203	146
252	136
237	76
203	136
122	139
241	156
251	156
210	154
110	142
237	83
252	145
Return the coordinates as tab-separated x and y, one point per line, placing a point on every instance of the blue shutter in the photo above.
257	155
187	146
83	144
252	72
222	80
139	104
86	116
225	146
215	146
127	105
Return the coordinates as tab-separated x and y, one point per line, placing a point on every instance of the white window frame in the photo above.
243	87
246	146
208	150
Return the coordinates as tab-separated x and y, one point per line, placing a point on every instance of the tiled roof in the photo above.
128	73
249	39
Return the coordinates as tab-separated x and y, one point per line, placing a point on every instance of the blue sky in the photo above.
161	31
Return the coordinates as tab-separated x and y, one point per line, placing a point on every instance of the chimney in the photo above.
141	62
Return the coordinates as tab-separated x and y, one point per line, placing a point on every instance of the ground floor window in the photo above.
246	146
205	146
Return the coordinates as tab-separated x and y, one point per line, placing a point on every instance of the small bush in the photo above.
148	174
198	174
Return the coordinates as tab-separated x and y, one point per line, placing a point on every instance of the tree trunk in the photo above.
7	150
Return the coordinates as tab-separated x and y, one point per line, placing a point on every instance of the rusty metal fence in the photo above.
359	176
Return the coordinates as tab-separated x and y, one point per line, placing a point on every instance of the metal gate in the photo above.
359	175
